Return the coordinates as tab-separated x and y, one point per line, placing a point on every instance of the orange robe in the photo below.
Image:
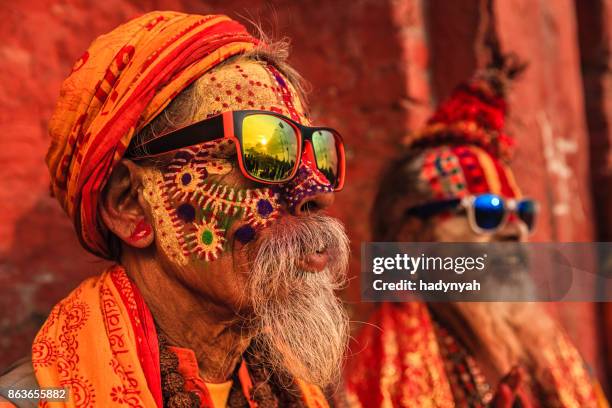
402	359
101	343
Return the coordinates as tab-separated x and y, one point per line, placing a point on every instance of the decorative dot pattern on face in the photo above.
185	198
249	85
308	182
264	208
165	233
186	212
204	239
245	234
201	209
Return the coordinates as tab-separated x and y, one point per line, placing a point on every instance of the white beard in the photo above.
303	328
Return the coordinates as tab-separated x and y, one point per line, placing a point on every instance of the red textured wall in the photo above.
595	35
376	68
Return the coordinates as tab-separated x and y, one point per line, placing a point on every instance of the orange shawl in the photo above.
120	84
399	364
101	343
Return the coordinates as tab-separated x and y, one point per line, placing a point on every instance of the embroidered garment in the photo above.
102	344
404	360
397	362
118	86
452	172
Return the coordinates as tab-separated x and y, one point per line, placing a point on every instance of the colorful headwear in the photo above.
117	87
464	144
458	171
473	114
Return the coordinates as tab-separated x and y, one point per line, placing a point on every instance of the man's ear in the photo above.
122	207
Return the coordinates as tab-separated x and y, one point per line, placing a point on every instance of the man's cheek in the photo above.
200	209
165	234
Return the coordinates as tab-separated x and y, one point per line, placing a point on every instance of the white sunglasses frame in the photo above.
510	206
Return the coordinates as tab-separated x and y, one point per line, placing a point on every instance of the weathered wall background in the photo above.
376	68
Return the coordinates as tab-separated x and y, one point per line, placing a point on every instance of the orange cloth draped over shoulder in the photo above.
120	84
101	343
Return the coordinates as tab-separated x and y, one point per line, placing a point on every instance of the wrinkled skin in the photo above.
217	302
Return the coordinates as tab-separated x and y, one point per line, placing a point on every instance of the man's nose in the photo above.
514	230
314	204
309	192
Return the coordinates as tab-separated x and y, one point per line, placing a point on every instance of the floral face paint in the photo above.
308	181
194	208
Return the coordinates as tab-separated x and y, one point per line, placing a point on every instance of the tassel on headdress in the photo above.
475	112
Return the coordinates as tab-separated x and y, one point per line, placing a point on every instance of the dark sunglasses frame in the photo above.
467	203
229	125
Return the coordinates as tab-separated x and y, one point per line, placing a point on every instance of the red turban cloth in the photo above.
466	149
118	86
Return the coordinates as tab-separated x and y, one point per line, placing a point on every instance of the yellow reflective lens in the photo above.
326	154
269	147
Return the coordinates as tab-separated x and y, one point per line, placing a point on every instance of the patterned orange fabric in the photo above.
569	383
399	362
100	342
120	84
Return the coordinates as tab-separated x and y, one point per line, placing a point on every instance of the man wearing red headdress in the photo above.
181	150
463	354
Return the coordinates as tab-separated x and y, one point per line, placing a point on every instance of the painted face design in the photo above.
193	207
196	209
308	181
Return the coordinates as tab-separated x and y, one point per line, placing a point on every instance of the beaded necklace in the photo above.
468	384
260	390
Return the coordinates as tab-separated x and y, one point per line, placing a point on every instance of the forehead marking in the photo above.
285	92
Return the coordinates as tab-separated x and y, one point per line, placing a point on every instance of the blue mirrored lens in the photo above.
526	210
488	211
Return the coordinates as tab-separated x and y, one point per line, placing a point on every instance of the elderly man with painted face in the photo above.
181	149
453	184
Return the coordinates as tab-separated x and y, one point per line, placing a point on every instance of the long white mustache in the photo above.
303	328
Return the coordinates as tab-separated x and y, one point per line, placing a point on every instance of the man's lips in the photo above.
314	262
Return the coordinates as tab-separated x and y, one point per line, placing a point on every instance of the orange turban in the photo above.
120	84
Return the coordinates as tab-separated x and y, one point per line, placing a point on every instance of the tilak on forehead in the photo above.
464	145
248	84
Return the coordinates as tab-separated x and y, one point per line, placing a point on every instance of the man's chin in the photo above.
306	338
286	364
